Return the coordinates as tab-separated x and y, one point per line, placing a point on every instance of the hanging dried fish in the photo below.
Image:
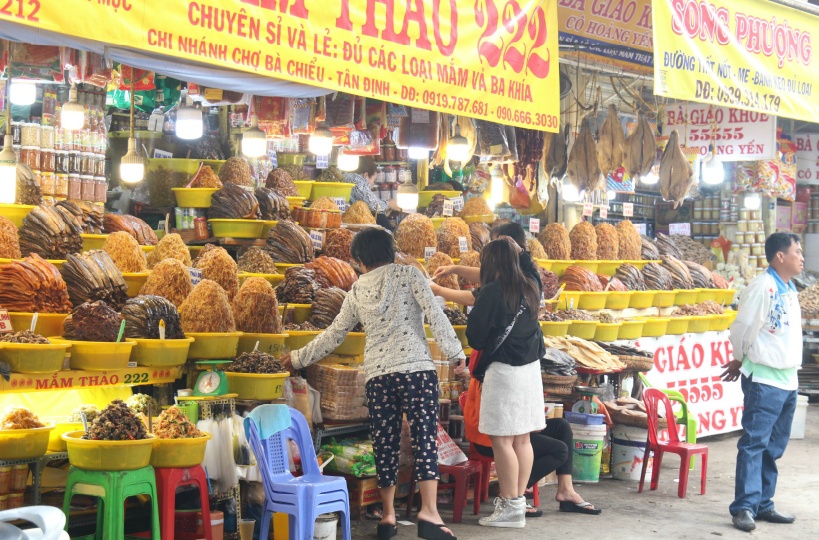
641	148
676	173
583	167
610	143
555	153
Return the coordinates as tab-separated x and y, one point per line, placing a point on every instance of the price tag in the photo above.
162	154
196	275
534	225
641	228
457	203
214	94
628	209
341	203
588	209
155	123
5	322
317	237
274	159
448	208
604	212
419	116
683	229
322	162
429	252
462	244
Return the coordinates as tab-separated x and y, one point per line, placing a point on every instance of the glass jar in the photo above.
61	186
88	189
47	183
74	191
100	189
47	161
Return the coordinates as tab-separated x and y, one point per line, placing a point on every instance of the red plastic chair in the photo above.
461	473
652	397
486	465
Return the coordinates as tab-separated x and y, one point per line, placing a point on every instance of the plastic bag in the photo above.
242	452
492	141
36	62
339	111
449	453
419	129
519	196
303	117
90	68
300	398
139	79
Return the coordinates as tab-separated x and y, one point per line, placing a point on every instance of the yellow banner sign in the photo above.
612	32
753	55
489	59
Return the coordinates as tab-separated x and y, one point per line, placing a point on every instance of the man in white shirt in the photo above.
767	341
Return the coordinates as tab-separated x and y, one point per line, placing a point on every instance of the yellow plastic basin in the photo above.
237	228
685	296
559	267
608	268
48	324
482	218
147	249
282	267
559	329
98	355
134	281
24	443
296	339
179	453
15	212
618	300
93	241
425	197
33	358
107	455
583	329
641	299
353	344
274	279
264	387
720	322
213	345
296	202
664	298
160	352
302	311
268	343
706	294
193	197
631	330
340	190
655	326
726	296
640	264
589	265
607	331
677	325
700	323
305	188
569	300
546	264
460	331
437	222
55	437
268	226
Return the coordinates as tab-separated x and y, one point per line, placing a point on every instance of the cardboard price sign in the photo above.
317	237
429	252
196	275
274	159
341	203
683	229
5	322
322	162
588	209
534	225
449	208
604	212
462	244
628	209
457	203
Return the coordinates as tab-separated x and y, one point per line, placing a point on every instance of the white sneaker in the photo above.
509	513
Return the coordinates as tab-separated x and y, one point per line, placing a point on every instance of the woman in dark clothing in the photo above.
503	325
552	452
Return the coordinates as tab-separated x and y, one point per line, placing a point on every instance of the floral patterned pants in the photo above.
389	397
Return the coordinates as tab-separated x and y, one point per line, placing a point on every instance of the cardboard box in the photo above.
364	491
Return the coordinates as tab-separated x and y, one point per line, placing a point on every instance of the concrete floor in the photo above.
661	514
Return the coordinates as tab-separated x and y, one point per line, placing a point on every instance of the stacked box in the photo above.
343	396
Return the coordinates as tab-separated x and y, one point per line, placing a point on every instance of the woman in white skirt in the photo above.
503	325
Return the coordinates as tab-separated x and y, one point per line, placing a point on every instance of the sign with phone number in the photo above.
491	59
692	364
74	379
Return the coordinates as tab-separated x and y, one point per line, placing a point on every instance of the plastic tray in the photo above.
483	218
546	264
559	267
589	301
159	352
33	358
589	265
268	343
274	279
134	281
608	268
425	196
340	190
93	241
55	437
655	326
305	188
24	443
193	197
296	202
353	344
268	226
98	355
179	453
213	345
237	228
107	455
48	324
460	331
726	296
15	212
262	387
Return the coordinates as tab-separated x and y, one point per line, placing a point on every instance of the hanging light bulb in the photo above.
254	140
611	195
496	186
321	141
347	162
23	92
415	152
569	191
712	171
72	116
752	201
407	196
457	148
650	178
189	123
132	166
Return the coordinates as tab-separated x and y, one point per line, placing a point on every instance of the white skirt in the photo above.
512	400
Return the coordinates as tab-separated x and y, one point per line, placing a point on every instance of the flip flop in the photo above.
534	513
579	508
432	531
386	531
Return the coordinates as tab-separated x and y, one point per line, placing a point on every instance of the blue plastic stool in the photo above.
112	488
304	497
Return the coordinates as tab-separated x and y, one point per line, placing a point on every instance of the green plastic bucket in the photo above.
587	444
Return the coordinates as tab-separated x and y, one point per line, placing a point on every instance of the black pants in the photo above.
391	396
551	448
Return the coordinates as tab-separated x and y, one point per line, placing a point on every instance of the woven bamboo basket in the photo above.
637	363
559	390
557	380
618	417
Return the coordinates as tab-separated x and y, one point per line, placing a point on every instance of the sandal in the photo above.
532	512
385	531
579	508
431	531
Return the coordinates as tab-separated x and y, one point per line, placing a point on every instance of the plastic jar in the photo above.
47	137
745	249
756	215
30	155
19	477
61	161
88	189
61	186
47	182
5	480
745	215
30	135
74	191
100	189
4	502
48	161
742	226
740	238
74	166
87	163
758	249
760	237
15	500
16	133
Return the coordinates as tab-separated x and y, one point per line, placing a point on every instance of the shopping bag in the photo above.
448	452
472	415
